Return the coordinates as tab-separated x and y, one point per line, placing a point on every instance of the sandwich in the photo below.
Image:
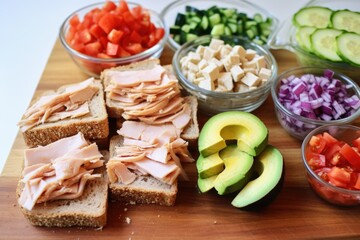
71	109
156	125
63	184
137	97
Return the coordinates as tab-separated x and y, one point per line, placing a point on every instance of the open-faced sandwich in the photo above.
63	184
71	109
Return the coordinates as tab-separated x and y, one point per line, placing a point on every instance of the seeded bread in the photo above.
89	210
144	190
94	125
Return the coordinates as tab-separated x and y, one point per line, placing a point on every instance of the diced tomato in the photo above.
317	161
329	139
317	144
115	36
331	151
108	22
123	7
356	143
85	36
135	37
113	30
134	48
128	18
74	21
112	49
96	31
357	182
123	53
137	12
339	177
350	155
159	33
109	6
93	48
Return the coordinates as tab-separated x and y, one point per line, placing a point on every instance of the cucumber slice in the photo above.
323	43
218	29
313	17
346	20
303	37
348	47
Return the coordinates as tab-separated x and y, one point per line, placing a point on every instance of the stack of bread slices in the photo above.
66	178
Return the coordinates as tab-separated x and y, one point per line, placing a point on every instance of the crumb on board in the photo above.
99	229
215	222
128	220
125	209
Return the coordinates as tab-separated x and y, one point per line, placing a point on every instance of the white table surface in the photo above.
28	32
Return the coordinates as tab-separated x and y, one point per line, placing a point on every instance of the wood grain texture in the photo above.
297	213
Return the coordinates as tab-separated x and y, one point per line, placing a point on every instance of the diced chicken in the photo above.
207	84
265	73
226	81
237	73
209	54
250	54
216	44
251	80
211	72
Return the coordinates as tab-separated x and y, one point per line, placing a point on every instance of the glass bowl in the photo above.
170	12
327	191
93	66
212	102
299	126
285	38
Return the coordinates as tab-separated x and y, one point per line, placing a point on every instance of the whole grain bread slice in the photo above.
144	190
93	125
89	210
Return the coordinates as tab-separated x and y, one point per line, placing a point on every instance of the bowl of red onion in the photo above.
309	97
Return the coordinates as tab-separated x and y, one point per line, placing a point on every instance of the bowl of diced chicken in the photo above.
225	73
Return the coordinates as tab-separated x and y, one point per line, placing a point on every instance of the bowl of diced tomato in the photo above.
331	155
110	34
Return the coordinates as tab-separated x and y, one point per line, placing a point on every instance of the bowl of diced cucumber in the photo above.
190	19
324	34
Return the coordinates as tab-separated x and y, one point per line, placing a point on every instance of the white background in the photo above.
28	30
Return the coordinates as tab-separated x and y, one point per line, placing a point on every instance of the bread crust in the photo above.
144	190
93	126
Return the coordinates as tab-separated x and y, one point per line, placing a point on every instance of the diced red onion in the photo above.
316	97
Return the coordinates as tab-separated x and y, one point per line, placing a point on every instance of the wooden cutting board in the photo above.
296	213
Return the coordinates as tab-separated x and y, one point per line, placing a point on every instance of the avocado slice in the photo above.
206	184
248	130
237	170
269	167
210	165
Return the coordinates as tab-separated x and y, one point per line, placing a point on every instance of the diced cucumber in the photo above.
233	27
218	29
258	18
346	20
204	22
214	19
323	43
314	16
228	12
227	31
220	21
303	37
175	29
348	47
180	19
